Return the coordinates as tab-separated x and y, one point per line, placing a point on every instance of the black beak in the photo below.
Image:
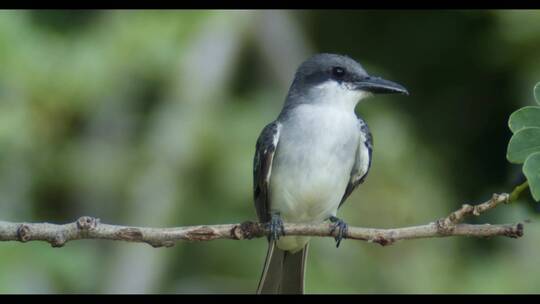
378	85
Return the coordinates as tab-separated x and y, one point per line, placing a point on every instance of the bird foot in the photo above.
276	227
342	229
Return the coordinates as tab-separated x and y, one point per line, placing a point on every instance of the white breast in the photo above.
313	162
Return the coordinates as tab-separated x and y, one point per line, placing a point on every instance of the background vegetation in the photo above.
150	118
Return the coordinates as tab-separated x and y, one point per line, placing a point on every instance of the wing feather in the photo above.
362	162
262	169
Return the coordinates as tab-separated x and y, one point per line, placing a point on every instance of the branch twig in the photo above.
90	228
514	195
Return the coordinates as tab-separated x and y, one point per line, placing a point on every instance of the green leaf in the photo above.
522	144
531	169
537	93
523	118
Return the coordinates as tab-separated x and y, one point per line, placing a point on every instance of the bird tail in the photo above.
283	271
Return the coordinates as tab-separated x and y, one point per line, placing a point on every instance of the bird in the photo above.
310	159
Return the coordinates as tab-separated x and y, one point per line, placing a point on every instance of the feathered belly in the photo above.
304	193
309	178
312	167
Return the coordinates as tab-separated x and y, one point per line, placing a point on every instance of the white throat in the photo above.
338	95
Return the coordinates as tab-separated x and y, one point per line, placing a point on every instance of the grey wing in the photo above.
262	169
362	162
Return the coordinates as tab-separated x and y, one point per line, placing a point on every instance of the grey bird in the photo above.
310	159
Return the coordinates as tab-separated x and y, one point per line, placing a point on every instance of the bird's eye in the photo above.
338	72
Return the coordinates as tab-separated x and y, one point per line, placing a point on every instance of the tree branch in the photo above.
90	228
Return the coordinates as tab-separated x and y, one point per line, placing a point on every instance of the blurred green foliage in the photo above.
150	118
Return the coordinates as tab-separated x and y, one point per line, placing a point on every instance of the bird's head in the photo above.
340	80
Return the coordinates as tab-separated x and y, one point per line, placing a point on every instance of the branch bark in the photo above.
90	228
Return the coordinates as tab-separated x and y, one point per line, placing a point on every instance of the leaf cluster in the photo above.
524	146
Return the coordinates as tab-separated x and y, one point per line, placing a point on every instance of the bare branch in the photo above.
90	228
466	210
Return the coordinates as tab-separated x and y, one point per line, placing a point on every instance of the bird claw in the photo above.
276	227
342	229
